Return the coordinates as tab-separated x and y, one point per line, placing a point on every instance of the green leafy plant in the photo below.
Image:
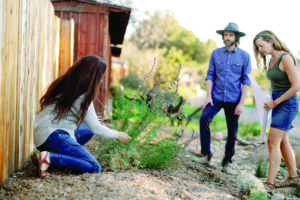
283	165
35	150
261	169
130	81
249	129
156	155
141	116
297	193
255	195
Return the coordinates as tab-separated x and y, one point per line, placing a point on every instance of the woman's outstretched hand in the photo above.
123	137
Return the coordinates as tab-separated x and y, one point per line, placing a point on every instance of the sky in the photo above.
204	17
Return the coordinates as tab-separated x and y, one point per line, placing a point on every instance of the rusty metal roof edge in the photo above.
103	4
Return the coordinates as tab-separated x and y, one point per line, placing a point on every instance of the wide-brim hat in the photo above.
231	27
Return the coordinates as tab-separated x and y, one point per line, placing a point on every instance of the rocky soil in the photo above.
188	180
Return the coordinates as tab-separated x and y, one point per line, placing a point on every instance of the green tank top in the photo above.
279	79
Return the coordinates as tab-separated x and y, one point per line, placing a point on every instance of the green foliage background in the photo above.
161	35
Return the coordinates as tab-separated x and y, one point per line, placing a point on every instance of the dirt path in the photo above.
188	180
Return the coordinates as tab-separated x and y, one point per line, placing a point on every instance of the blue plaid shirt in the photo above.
228	70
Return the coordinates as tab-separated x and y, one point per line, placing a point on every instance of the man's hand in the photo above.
239	109
207	101
123	137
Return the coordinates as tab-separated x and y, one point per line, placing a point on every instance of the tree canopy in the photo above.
162	36
162	30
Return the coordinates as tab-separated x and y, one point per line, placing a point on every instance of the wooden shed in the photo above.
88	27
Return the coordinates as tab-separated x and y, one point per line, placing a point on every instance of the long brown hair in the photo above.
83	77
277	45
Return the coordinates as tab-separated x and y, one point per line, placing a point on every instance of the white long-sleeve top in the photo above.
44	123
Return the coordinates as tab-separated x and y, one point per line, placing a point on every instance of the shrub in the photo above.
248	129
141	118
247	182
160	155
261	169
297	190
257	196
130	81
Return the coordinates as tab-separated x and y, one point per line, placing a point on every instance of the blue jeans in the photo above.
232	126
65	151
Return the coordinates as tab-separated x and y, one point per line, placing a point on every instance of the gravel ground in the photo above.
188	180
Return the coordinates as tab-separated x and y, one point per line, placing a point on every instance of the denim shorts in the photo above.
285	112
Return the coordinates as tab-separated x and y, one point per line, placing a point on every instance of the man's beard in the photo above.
229	44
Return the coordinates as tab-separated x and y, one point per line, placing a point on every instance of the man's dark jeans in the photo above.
232	126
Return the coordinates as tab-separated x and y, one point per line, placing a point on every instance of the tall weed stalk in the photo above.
141	119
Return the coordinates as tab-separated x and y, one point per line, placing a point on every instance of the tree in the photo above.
163	37
164	31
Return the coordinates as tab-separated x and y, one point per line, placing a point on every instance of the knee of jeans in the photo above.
205	119
94	166
97	168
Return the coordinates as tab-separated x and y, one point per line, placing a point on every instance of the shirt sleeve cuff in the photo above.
115	135
246	82
209	77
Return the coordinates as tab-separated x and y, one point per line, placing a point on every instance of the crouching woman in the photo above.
67	119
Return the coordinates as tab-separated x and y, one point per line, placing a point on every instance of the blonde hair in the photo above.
277	45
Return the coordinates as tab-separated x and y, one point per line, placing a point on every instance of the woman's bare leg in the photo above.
289	156
274	141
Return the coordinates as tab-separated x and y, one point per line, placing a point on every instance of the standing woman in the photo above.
67	119
285	84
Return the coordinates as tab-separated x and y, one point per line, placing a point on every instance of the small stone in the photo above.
248	147
28	186
277	196
219	135
213	175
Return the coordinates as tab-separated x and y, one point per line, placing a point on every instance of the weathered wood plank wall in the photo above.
66	47
84	30
28	63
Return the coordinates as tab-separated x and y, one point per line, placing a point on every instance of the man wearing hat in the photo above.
227	84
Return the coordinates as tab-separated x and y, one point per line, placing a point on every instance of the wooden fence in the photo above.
28	63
